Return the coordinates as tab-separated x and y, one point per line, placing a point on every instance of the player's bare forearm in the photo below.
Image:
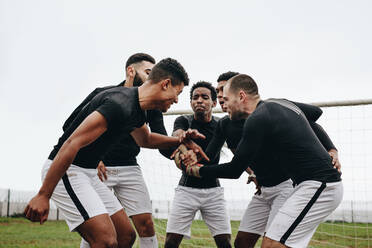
249	171
161	141
144	138
88	131
58	168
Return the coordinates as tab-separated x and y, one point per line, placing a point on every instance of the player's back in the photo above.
300	152
122	112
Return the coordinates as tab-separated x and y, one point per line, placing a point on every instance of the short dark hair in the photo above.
169	68
139	57
205	85
245	83
226	76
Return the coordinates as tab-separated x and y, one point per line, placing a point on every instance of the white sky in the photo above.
53	53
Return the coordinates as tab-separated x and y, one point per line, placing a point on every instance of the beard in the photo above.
137	81
237	115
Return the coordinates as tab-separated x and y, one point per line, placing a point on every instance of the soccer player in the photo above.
278	128
221	81
69	174
120	164
193	194
232	131
275	186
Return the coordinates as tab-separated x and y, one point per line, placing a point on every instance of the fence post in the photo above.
57	214
8	204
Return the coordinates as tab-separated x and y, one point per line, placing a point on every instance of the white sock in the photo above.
84	244
148	242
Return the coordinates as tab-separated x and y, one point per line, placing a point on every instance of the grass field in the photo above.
21	233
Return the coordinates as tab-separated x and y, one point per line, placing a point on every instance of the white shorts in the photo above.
308	205
262	208
130	188
211	203
80	195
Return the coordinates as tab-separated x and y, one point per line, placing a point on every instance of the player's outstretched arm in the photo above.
88	131
215	145
254	132
144	138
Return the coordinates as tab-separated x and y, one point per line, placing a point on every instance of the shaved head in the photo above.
243	82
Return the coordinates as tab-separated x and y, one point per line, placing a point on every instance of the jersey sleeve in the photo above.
112	112
311	112
215	145
79	108
255	130
156	122
322	136
180	123
73	115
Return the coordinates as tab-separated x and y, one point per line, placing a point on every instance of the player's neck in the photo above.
203	117
147	96
128	82
252	103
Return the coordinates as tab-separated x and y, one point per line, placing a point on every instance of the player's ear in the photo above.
165	84
131	72
214	103
242	95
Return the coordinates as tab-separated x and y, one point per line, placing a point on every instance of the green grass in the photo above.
21	233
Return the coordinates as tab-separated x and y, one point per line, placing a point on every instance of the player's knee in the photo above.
245	241
238	243
171	242
146	228
128	239
105	242
269	243
223	241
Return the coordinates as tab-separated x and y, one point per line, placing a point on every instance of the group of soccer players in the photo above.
93	176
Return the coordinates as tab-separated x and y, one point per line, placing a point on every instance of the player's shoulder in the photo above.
223	120
280	104
122	95
154	115
184	118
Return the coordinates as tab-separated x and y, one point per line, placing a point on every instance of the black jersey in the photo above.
207	129
120	107
231	131
124	152
278	130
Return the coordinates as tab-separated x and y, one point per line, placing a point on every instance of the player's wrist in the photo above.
44	194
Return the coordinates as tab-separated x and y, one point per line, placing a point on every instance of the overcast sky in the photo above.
53	53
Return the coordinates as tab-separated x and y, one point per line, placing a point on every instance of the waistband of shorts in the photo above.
288	181
198	189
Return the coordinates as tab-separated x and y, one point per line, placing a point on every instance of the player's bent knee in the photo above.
105	242
144	225
223	240
173	240
246	240
147	228
269	243
128	239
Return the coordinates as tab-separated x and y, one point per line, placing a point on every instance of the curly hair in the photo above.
169	68
205	85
